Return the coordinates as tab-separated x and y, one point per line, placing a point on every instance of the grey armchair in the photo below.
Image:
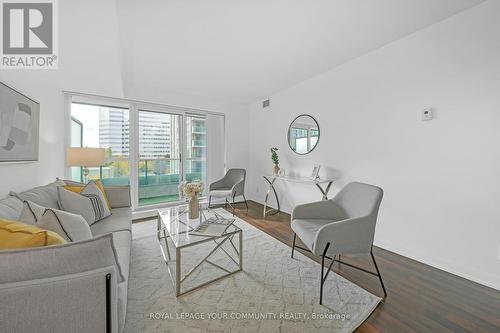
344	224
231	186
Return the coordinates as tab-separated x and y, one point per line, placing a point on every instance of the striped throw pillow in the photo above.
89	203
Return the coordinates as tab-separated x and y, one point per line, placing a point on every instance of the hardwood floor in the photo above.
420	298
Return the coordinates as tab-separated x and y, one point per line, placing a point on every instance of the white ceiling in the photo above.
245	50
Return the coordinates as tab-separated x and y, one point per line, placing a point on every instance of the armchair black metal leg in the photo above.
293	245
378	273
209	200
225	205
108	303
232	206
246	204
322	270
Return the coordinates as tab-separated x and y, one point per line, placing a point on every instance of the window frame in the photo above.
134	106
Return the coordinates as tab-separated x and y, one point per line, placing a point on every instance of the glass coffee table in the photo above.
199	260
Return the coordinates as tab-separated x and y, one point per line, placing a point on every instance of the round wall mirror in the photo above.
303	134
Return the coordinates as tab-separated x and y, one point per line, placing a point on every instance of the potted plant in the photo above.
276	160
191	191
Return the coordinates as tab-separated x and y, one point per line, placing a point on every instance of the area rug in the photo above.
273	293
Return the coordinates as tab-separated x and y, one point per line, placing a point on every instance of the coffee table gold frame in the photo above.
227	237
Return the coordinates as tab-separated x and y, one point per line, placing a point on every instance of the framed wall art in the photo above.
19	126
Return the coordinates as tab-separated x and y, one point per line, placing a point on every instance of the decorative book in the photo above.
213	227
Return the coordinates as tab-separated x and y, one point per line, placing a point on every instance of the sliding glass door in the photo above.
159	157
195	156
161	148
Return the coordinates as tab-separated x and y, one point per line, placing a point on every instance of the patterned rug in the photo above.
273	293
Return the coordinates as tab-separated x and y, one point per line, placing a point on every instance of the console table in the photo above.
272	179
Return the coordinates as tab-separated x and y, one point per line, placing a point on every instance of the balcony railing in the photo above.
159	179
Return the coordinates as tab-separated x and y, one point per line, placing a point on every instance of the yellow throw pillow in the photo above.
101	187
17	235
78	189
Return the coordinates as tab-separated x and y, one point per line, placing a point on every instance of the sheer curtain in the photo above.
216	148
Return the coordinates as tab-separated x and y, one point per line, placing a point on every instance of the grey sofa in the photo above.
75	287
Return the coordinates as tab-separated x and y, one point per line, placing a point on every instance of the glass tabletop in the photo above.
178	225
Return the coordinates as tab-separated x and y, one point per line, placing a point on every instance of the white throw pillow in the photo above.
63	182
89	203
71	227
31	212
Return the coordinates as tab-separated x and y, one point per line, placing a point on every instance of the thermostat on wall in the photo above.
427	114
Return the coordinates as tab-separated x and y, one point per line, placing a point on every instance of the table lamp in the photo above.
85	157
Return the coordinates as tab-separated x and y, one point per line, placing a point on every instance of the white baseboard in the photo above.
483	278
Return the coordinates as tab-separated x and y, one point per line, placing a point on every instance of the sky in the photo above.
89	116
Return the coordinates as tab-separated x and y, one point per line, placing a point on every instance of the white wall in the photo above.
441	178
88	62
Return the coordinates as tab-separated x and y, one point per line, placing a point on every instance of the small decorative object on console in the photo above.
315	173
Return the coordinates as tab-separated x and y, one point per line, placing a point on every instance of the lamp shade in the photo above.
86	157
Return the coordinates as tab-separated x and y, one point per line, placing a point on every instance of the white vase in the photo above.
194	208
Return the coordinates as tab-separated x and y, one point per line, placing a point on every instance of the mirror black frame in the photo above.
288	133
